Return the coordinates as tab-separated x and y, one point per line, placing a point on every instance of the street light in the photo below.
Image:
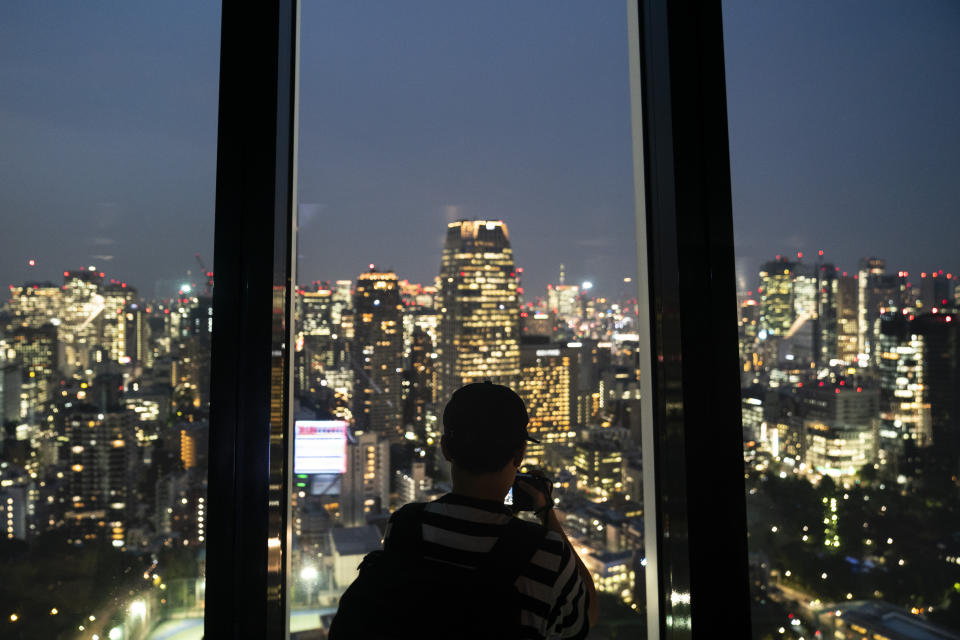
138	609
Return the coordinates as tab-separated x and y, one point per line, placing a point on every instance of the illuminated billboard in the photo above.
319	446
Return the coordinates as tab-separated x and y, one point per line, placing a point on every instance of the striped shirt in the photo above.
461	530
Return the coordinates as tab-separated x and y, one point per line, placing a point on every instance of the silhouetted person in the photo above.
463	566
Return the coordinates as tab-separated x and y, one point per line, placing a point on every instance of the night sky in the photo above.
843	118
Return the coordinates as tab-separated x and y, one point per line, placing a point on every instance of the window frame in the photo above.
695	516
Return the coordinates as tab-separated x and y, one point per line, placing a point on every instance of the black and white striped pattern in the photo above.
461	530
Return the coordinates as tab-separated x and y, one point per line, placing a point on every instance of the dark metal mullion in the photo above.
701	558
243	598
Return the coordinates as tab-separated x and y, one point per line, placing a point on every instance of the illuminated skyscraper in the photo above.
479	307
366	483
418	381
113	321
35	304
548	386
877	292
82	306
905	415
100	455
777	309
315	308
827	336
36	353
847	333
376	353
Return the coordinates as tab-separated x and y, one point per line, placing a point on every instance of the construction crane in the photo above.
208	287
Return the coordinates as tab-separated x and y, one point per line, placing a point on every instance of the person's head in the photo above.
484	436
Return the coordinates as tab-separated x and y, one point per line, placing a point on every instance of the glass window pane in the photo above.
108	122
465	213
843	142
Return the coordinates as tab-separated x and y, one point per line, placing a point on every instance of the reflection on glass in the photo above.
466	213
849	341
107	201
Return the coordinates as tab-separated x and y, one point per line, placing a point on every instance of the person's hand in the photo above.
541	501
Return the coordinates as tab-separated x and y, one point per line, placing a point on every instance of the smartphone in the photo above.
519	500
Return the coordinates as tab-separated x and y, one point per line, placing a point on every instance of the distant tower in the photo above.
777	309
479	308
827	338
376	353
877	293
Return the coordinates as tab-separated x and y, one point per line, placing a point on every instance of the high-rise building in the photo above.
18	499
904	412
563	298
804	335
82	306
941	361
35	304
599	467
479	307
100	454
937	291
341	301
548	386
376	353
877	293
37	355
777	307
839	427
314	312
847	323
117	298
827	336
365	486
418	395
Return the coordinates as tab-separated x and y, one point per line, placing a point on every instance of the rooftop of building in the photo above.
893	622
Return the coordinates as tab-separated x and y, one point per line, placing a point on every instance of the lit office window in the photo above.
466	213
108	122
843	150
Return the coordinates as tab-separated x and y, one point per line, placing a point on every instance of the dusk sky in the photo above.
843	129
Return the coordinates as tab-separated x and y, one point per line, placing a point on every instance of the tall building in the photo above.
82	306
117	298
905	412
419	381
314	310
100	455
827	339
376	353
548	386
877	292
941	361
365	487
839	427
937	291
777	307
847	323
35	304
479	307
37	355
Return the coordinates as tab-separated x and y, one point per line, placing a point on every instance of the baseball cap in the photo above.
484	411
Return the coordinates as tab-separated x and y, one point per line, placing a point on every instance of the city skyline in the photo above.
132	161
